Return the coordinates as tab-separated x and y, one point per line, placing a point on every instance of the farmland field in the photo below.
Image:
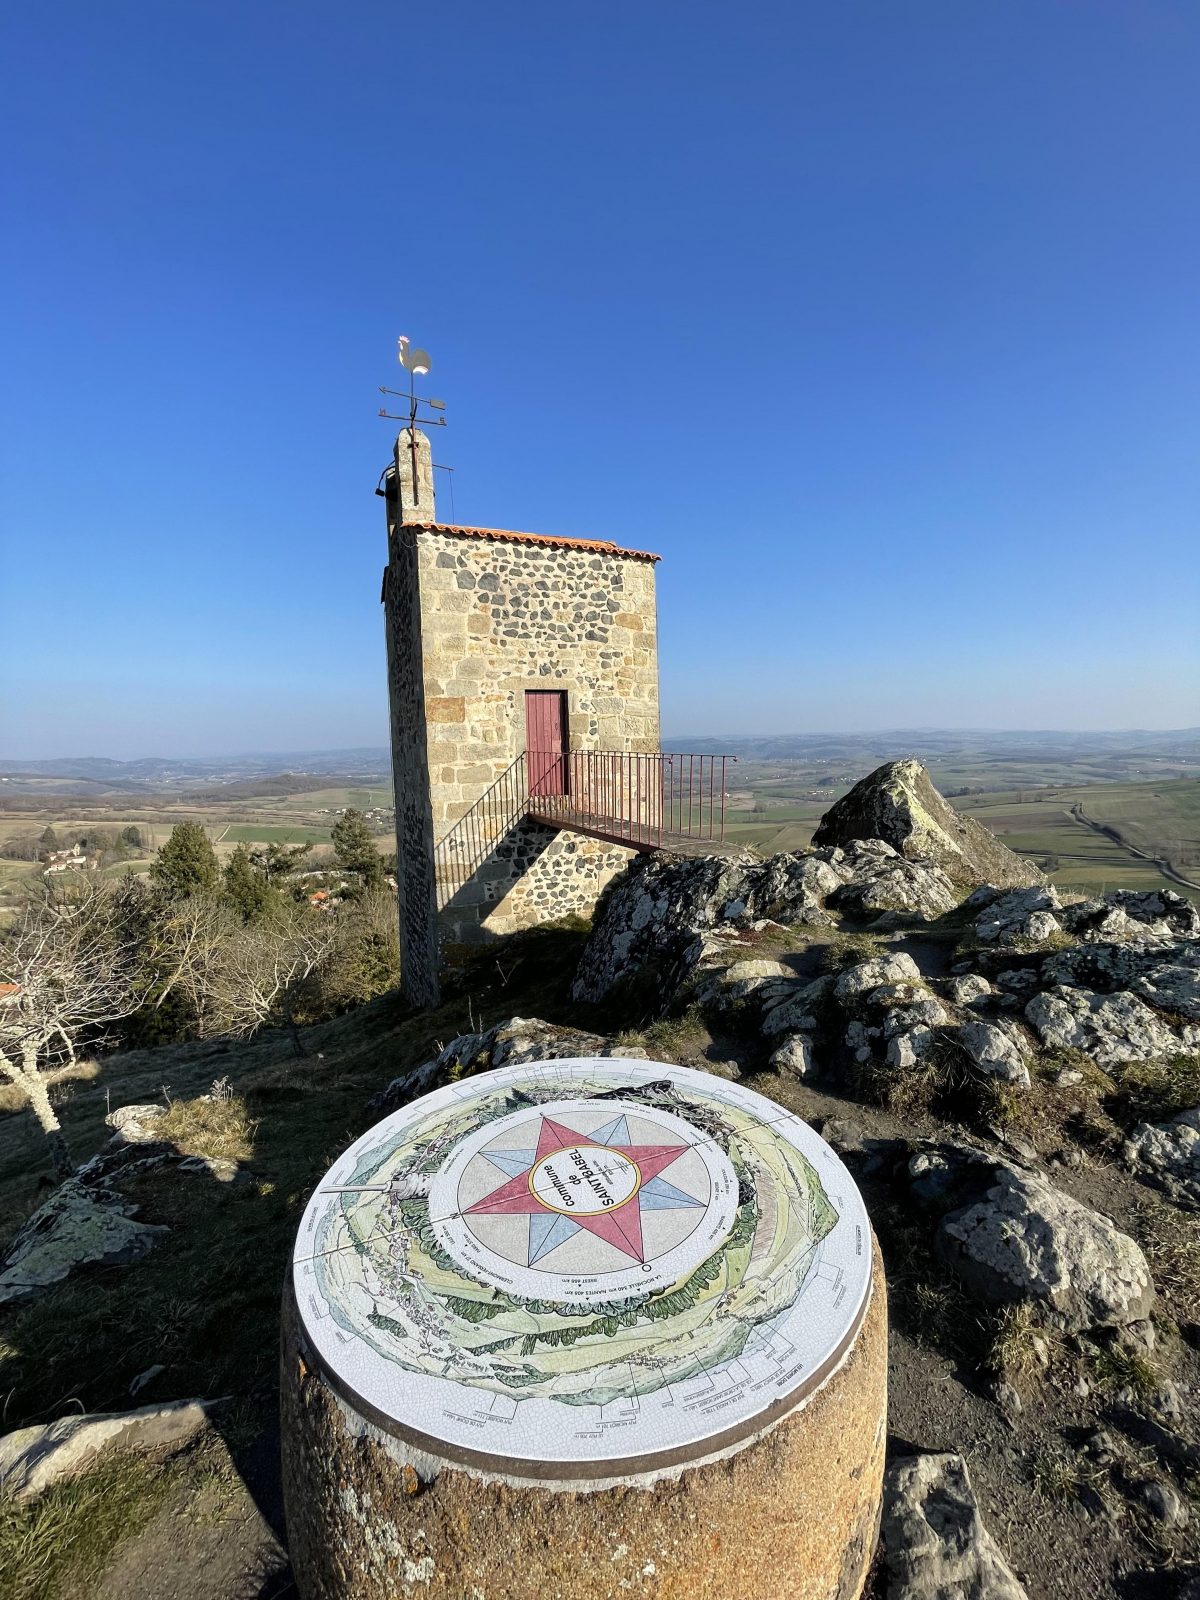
1055	808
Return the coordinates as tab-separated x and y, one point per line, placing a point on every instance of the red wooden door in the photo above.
546	740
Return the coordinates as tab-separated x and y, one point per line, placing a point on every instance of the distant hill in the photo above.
159	774
1175	745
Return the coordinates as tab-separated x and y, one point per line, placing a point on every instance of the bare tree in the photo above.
260	967
67	974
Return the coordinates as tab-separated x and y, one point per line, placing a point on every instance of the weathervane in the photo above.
417	364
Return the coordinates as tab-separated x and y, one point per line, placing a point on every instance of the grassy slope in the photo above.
205	1303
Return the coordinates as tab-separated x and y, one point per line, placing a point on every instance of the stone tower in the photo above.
499	644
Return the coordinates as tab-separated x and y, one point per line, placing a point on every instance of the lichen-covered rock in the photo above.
1156	914
1010	1235
1017	914
994	1051
794	1057
1173	984
935	1545
796	882
904	1050
650	914
1167	1154
77	1226
507	1044
898	804
968	990
864	976
725	983
882	880
799	1012
135	1124
1111	1028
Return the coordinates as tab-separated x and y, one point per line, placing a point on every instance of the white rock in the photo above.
1019	914
1111	1028
897	967
906	1049
794	1058
31	1459
968	990
935	1544
135	1124
74	1227
1023	1239
994	1052
1168	1153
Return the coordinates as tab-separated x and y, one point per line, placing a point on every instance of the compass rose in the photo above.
599	1182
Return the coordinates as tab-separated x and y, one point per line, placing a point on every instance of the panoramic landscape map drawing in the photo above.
583	1261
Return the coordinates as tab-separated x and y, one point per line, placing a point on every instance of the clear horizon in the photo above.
878	323
247	753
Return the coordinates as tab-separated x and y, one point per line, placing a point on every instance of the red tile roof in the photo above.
601	546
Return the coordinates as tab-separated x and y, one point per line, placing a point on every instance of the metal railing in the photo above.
645	800
476	836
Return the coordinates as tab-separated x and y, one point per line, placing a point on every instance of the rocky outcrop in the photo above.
881	880
1167	1154
996	1050
935	1546
1158	914
1027	914
507	1044
1010	1235
31	1459
898	804
1111	1028
647	919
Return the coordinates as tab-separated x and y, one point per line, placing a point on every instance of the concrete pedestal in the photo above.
755	1472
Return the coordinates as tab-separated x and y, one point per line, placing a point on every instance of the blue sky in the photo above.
880	321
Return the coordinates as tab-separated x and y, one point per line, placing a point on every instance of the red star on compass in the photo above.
595	1181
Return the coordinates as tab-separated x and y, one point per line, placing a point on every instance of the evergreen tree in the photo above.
50	839
355	849
248	891
187	863
279	860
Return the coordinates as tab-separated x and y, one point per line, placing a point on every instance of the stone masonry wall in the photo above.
500	617
416	890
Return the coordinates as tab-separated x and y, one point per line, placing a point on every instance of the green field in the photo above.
1162	819
269	833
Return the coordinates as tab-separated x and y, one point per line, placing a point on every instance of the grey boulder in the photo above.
1111	1028
1010	1235
1019	914
994	1051
935	1546
510	1043
31	1459
1167	1154
77	1226
898	804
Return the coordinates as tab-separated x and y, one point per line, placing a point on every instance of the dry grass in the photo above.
1058	1477
216	1125
12	1097
1021	1345
671	1037
844	950
1171	1241
60	1543
1153	1091
1116	1367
